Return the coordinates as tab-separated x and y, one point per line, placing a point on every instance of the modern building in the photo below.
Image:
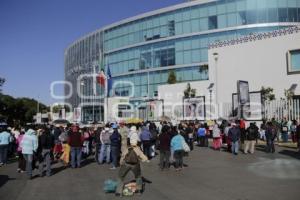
142	50
269	60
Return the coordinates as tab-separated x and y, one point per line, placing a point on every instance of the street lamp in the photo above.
210	89
81	94
216	57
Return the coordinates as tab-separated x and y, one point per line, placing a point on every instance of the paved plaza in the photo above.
210	175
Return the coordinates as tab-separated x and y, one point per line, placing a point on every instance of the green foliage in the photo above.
57	108
2	81
172	77
289	94
18	111
189	92
267	94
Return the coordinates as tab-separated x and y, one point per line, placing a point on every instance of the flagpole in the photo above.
94	91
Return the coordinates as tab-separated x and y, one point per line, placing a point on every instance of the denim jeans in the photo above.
235	147
164	159
3	153
104	152
178	156
75	156
45	159
115	152
29	159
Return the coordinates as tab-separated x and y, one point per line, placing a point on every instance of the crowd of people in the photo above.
125	145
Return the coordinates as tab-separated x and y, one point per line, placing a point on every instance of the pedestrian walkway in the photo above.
210	175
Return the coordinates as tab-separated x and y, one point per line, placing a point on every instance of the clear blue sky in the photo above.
34	34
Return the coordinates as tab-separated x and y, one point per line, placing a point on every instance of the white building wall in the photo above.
261	63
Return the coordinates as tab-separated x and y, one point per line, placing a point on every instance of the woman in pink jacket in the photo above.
21	160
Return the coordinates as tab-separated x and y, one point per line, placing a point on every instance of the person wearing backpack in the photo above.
250	139
130	161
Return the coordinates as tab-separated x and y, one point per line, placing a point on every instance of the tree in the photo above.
267	94
2	81
189	92
289	94
172	77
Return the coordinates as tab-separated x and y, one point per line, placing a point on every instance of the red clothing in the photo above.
242	124
75	139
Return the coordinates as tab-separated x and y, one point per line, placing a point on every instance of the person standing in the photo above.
201	134
46	144
105	145
21	160
124	131
146	141
65	157
271	134
177	147
298	136
130	161
216	137
234	135
293	131
164	144
251	136
284	130
29	145
5	138
115	140
75	141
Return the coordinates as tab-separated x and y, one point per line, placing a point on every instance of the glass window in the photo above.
272	15
241	5
251	17
262	15
187	57
178	28
292	14
221	8
186	15
231	6
187	44
195	24
196	56
292	3
212	22
195	43
179	45
178	16
231	20
203	11
241	19
204	55
186	27
222	22
272	4
204	42
282	14
195	13
179	58
294	65
282	3
212	10
204	24
251	5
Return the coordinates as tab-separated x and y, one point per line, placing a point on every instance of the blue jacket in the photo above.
29	143
201	132
4	138
145	135
176	143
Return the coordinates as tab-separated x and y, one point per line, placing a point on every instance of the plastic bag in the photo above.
110	186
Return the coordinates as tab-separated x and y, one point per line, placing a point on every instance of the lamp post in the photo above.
210	89
81	94
216	57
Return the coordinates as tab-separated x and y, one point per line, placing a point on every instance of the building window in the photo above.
212	22
293	61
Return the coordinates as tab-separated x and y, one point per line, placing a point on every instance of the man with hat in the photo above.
130	161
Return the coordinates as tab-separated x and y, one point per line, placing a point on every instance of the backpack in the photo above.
131	157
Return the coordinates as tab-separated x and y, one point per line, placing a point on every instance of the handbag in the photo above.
185	146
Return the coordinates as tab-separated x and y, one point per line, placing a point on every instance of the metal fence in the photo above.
280	109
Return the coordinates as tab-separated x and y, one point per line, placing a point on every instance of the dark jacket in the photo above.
46	141
234	134
75	139
252	133
298	132
115	139
165	141
271	133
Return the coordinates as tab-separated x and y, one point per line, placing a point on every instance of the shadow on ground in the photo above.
293	154
4	179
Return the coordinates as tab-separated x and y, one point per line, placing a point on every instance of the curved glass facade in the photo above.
142	50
